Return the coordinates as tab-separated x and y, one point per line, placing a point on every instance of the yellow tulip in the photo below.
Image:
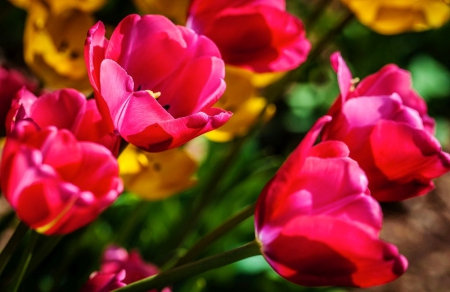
241	98
58	6
397	16
54	46
176	10
156	176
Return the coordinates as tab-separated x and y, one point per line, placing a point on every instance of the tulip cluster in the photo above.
157	85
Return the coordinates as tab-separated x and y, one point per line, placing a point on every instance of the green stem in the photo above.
214	235
7	252
216	261
205	197
318	10
132	221
23	264
44	250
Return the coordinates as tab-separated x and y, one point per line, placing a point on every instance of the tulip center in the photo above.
353	83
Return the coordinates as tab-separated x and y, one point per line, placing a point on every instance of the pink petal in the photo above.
343	73
417	156
94	53
173	133
323	251
145	48
61	108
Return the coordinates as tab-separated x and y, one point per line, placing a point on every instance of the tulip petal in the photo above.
324	251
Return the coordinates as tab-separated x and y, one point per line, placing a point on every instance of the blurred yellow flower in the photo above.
156	176
58	6
175	10
54	46
397	16
241	98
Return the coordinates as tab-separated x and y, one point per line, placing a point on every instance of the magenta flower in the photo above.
64	109
11	81
387	129
119	269
55	183
253	34
155	82
317	223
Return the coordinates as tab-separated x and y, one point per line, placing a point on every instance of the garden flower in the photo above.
175	10
156	176
119	269
160	98
55	183
386	127
64	109
11	80
393	17
53	46
256	35
242	99
317	223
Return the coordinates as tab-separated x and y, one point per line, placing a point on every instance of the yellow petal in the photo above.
54	46
241	98
242	120
58	6
397	16
155	176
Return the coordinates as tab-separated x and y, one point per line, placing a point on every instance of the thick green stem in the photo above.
214	235
171	276
7	252
23	264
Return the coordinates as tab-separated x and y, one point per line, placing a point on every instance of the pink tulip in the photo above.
64	109
387	129
317	223
11	81
155	82
55	183
253	34
119	269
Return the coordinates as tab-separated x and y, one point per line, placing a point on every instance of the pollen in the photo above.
353	82
155	95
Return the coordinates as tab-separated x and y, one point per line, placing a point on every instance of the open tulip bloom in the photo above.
317	223
387	129
155	82
52	192
260	36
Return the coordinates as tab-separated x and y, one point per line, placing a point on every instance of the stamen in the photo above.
353	83
155	95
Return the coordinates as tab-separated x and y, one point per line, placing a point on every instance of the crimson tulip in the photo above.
64	109
387	129
317	223
11	81
257	35
55	183
118	269
155	82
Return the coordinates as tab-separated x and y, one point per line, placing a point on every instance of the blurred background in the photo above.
420	227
